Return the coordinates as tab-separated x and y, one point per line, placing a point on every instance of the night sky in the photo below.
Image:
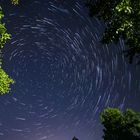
64	76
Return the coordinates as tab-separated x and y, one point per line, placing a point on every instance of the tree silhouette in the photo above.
5	80
122	20
120	125
74	138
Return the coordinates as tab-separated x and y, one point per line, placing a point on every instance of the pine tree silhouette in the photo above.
74	138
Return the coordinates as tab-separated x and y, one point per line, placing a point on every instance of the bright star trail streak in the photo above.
64	76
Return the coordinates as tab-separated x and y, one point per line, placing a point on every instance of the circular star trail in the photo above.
64	76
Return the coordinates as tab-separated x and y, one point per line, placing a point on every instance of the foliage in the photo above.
122	19
4	36
119	125
5	82
15	2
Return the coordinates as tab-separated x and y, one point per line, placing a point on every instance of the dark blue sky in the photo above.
64	76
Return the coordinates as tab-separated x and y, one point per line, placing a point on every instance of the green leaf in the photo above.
5	82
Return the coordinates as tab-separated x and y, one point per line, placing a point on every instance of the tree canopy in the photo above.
5	80
4	36
122	20
120	125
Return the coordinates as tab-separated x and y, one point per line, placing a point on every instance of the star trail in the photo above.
64	76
